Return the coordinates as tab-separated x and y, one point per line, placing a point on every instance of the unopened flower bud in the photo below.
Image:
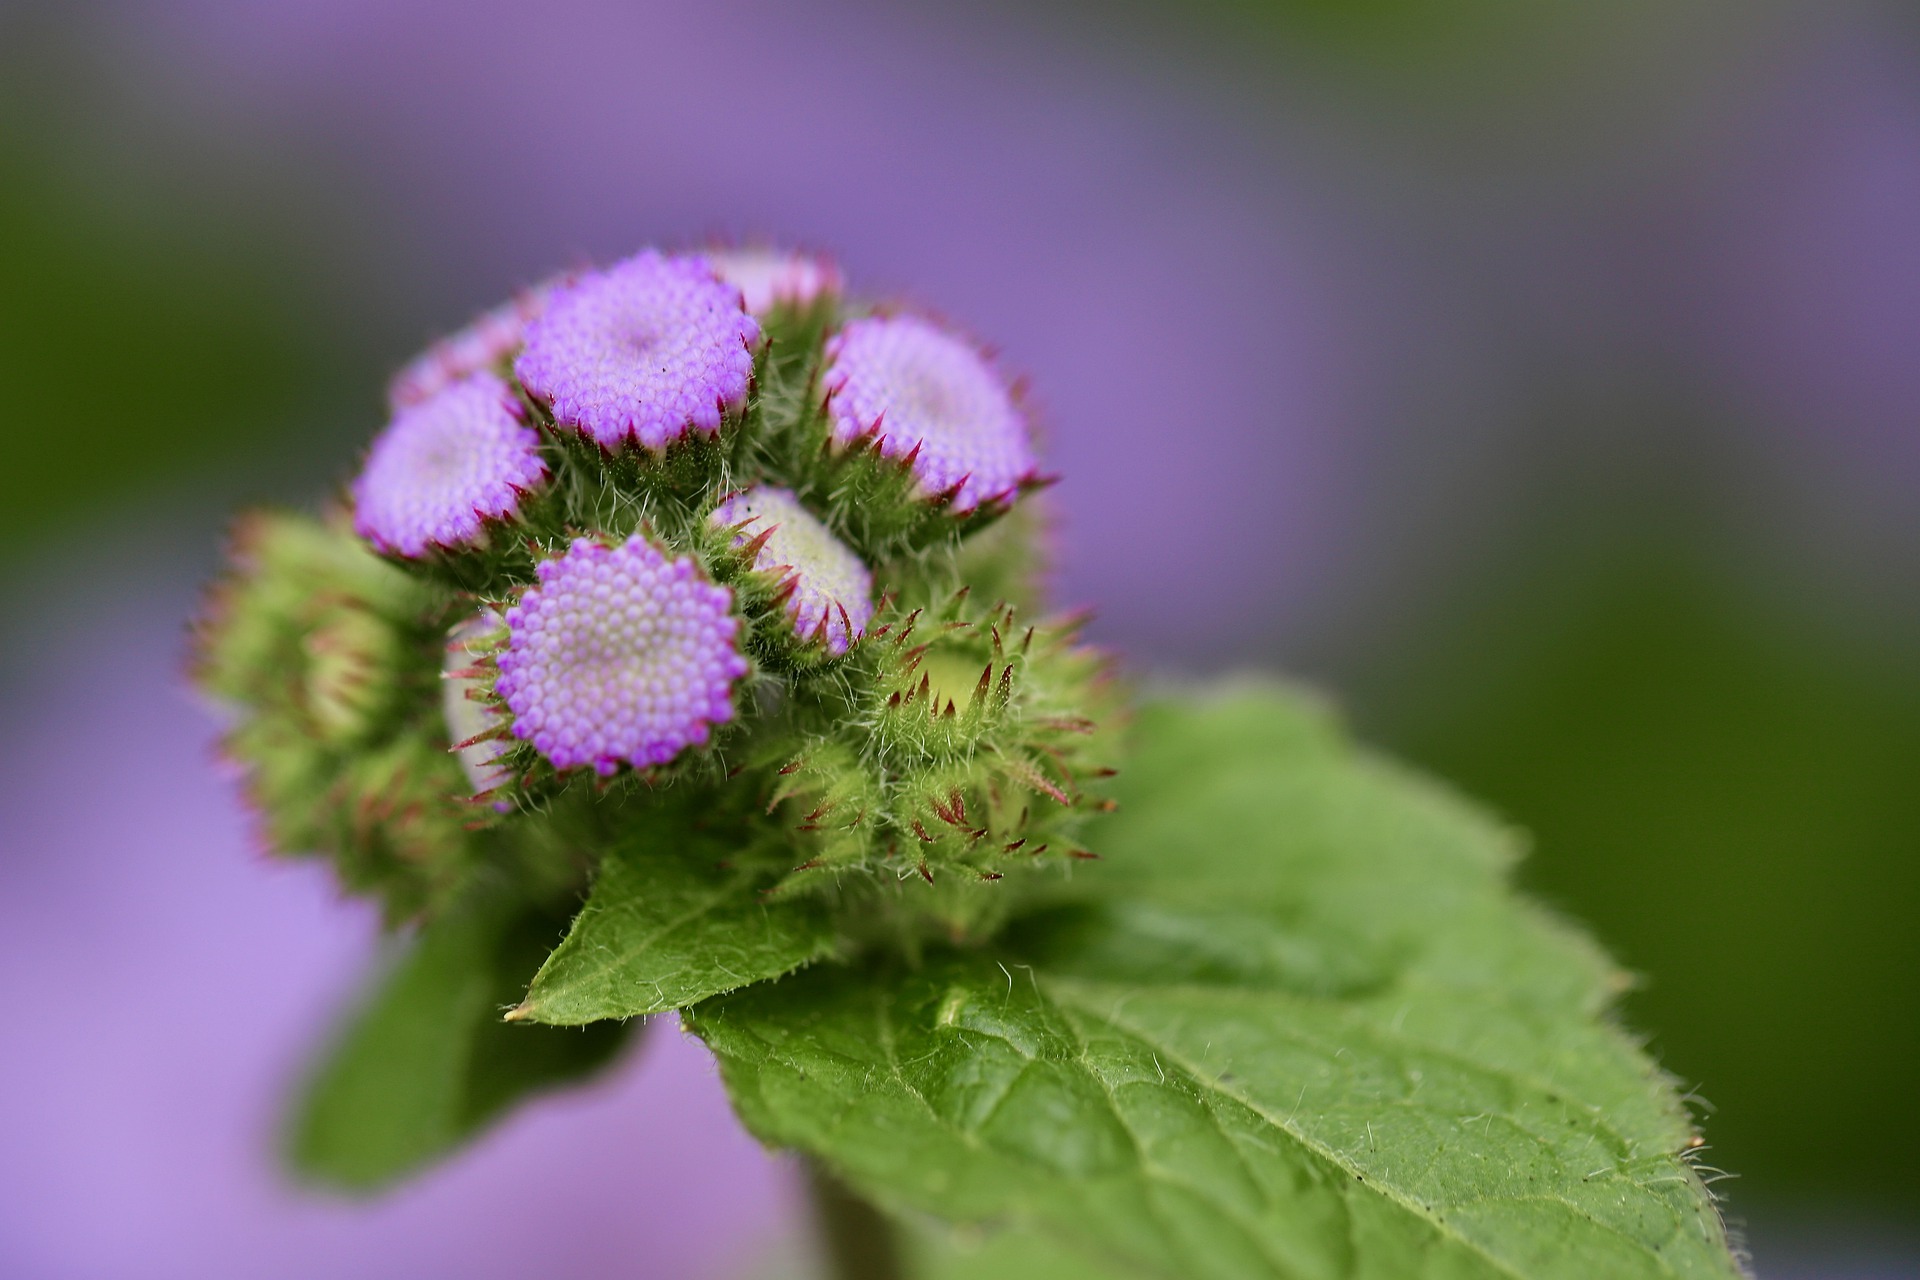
351	656
487	341
769	278
831	592
470	716
924	393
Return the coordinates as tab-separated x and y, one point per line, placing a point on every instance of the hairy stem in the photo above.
857	1241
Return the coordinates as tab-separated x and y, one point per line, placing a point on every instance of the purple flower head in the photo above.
468	716
770	277
485	342
644	351
619	655
917	386
832	590
445	466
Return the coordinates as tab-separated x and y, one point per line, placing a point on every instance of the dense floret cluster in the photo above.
619	656
698	524
643	353
444	467
926	395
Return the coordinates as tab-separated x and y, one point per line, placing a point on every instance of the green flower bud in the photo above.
324	656
965	748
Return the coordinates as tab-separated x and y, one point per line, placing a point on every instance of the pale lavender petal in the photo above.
486	340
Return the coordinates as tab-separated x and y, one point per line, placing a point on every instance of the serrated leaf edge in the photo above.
1204	1080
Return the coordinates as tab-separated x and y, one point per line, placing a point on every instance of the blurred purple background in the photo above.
1323	321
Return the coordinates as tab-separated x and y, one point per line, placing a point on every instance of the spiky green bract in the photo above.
1299	1026
328	659
966	744
1005	561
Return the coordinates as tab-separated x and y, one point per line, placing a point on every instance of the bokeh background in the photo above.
1541	380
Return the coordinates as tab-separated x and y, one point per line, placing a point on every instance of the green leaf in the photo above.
1002	1255
674	917
427	1062
1296	1024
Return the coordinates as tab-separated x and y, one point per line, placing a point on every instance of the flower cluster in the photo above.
696	521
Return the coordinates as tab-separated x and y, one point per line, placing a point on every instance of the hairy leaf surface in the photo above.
426	1062
1296	1024
674	917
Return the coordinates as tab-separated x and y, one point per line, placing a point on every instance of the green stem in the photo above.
857	1241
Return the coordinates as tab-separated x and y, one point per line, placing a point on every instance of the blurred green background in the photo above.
1720	781
1701	701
